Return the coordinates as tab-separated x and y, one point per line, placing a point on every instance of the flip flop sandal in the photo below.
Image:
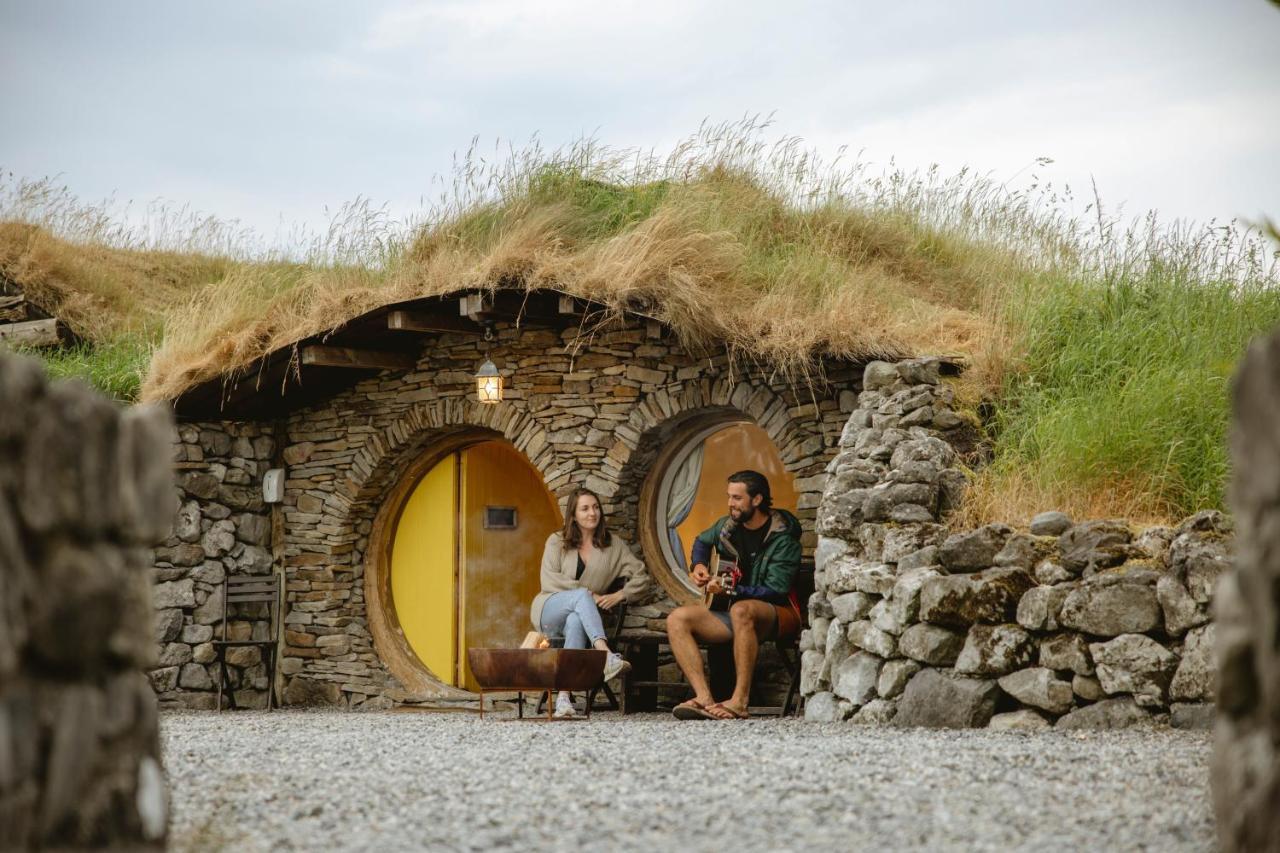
690	709
731	713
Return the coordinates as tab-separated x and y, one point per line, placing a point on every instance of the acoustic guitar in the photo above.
728	574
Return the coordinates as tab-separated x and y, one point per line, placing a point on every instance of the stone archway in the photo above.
384	473
659	427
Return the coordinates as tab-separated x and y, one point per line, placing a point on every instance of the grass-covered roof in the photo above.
1104	346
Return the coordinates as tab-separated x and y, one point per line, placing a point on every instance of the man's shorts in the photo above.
786	622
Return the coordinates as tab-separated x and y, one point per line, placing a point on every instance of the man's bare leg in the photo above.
752	619
685	627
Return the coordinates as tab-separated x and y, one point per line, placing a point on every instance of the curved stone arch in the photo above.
664	416
758	402
373	462
383	473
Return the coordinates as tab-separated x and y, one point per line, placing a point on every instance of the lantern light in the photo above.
488	383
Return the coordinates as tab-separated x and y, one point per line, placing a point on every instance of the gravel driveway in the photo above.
437	781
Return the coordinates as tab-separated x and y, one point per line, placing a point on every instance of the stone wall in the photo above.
222	527
1064	624
1246	760
591	409
85	488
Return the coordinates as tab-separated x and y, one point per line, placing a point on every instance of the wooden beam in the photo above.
33	333
13	309
363	359
421	321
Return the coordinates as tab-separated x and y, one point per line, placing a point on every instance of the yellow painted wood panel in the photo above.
738	447
500	567
423	567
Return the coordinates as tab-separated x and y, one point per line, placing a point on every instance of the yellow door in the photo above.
424	554
500	564
457	582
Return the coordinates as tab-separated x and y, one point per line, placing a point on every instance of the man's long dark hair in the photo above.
757	484
572	535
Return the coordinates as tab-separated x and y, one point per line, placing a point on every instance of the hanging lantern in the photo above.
488	383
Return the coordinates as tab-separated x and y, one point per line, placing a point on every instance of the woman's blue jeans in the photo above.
573	614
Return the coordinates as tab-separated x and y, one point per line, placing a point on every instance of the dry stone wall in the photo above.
222	527
1071	625
85	489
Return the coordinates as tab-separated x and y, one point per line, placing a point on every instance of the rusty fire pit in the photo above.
536	671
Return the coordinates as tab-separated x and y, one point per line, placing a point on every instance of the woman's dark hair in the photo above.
757	484
572	536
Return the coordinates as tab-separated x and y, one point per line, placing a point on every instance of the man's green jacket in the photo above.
776	565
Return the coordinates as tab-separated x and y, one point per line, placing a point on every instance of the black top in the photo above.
749	544
582	567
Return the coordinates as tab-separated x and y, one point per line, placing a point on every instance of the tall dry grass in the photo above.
1104	344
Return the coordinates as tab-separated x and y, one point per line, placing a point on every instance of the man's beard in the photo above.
741	515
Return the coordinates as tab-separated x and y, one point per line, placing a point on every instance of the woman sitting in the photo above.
579	564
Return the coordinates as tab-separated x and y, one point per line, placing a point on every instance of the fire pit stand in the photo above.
535	671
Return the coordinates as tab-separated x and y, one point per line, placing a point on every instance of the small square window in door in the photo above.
500	518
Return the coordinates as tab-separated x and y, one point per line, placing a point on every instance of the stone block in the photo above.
1050	524
931	644
939	699
1136	664
1040	688
1106	715
1024	720
974	550
855	677
994	650
1096	544
894	676
960	600
1109	610
1066	652
1194	680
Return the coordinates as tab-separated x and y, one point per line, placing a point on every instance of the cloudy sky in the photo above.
269	112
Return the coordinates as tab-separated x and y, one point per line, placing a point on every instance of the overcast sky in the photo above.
269	112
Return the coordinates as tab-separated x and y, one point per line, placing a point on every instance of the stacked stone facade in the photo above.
85	489
590	409
1064	624
222	527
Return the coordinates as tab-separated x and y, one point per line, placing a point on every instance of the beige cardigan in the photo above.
560	567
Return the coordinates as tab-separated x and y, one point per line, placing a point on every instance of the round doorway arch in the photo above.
452	548
684	492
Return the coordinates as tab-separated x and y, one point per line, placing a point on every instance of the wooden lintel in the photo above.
32	333
421	321
319	355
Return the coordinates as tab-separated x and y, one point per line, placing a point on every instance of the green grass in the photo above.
1122	401
1104	347
114	367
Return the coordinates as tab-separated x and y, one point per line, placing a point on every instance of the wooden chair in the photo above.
249	589
613	621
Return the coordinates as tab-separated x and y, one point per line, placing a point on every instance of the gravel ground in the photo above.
437	781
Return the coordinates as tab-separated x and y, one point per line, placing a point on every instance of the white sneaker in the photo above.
614	665
564	707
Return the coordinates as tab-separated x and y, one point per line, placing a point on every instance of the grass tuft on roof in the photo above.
1105	345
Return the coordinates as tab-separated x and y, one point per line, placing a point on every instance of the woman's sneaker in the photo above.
614	665
564	707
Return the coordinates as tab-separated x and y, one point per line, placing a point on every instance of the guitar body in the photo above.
728	574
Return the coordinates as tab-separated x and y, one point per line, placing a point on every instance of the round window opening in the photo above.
691	483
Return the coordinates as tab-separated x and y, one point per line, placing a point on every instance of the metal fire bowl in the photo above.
537	669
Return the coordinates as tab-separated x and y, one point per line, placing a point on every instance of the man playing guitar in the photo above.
755	553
